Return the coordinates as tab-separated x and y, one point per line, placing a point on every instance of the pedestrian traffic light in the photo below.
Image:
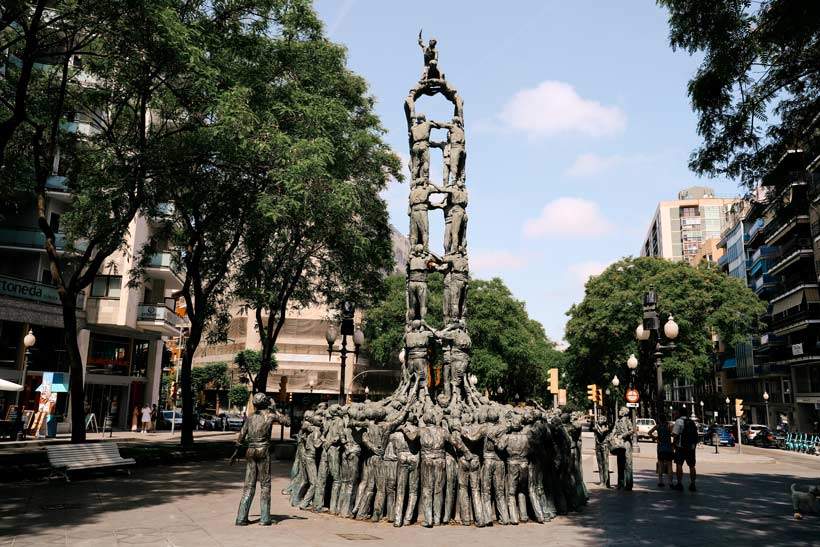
553	381
173	391
592	392
600	399
739	408
283	389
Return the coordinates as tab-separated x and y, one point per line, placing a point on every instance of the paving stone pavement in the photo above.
194	505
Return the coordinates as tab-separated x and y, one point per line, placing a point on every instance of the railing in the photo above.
765	251
756	228
803	312
763	281
148	312
28	237
57	183
793	249
161	260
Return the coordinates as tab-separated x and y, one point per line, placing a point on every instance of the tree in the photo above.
704	301
131	69
213	374
319	232
510	350
238	396
758	87
249	361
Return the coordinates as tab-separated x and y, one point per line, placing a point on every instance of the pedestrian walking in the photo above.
154	414
685	436
666	452
146	418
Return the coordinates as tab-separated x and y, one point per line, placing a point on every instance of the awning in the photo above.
54	382
791	301
5	385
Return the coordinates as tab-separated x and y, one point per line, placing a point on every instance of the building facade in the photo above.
122	325
680	227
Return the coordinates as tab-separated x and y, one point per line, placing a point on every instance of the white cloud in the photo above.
568	217
590	164
582	271
554	108
490	261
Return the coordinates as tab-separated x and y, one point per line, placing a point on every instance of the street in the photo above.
741	500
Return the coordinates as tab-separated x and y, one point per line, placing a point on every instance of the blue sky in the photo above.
577	124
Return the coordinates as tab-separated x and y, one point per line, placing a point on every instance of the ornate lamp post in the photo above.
347	329
615	383
702	415
766	400
28	341
728	414
366	393
649	331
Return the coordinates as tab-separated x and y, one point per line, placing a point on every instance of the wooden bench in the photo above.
72	457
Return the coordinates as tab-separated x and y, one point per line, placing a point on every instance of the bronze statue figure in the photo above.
256	434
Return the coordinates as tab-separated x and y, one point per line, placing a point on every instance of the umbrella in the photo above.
5	385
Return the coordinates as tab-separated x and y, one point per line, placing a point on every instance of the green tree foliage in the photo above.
280	139
319	232
758	86
249	361
132	56
238	396
211	376
703	300
510	350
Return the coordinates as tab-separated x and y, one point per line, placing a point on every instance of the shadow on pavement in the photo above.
727	509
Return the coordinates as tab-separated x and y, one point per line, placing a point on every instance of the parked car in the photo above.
235	421
764	438
209	422
164	419
725	437
754	429
643	427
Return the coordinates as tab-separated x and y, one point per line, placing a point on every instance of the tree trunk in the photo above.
194	337
75	364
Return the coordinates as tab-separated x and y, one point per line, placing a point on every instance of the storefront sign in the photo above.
28	290
797	349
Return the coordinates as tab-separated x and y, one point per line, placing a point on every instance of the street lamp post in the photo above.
347	329
615	383
649	331
766	400
728	415
702	415
28	341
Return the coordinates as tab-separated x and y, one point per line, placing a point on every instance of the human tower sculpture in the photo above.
436	450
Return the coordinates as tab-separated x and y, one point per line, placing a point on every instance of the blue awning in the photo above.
729	363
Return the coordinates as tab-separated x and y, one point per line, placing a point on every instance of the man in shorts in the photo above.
685	436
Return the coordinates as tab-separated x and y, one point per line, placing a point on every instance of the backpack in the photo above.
689	437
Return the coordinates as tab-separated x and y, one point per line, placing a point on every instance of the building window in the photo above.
106	286
689	212
11	336
139	365
109	355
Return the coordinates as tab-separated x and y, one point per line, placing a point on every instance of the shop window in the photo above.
139	365
49	353
11	336
106	286
109	355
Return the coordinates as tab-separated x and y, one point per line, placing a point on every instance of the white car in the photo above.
644	426
753	431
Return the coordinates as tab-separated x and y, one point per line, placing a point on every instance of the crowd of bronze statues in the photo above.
406	461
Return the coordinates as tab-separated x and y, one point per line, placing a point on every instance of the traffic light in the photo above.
600	399
553	381
592	392
739	408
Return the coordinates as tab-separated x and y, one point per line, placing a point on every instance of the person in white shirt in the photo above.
146	418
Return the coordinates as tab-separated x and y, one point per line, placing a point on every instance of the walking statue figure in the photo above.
256	432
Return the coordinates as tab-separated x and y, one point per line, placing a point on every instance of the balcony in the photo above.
32	290
763	283
161	266
795	318
756	228
786	220
723	260
764	251
791	253
31	238
159	318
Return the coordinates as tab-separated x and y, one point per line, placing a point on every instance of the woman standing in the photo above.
146	418
665	451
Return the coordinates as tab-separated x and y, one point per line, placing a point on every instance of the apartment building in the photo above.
122	329
680	227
